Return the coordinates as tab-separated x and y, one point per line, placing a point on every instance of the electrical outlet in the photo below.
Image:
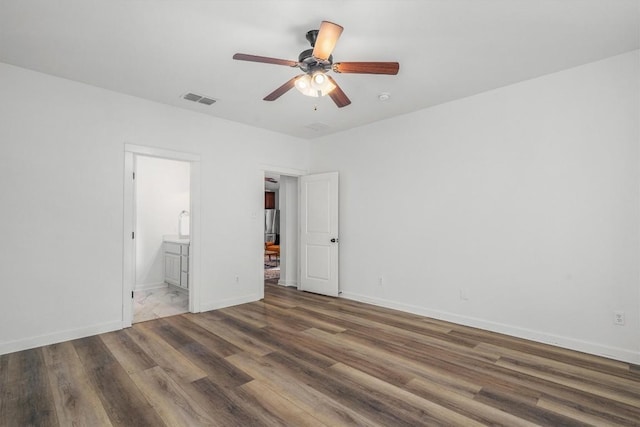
618	318
464	294
380	281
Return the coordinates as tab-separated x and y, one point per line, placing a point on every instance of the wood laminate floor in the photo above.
298	359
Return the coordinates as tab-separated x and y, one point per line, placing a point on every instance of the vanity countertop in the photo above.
176	239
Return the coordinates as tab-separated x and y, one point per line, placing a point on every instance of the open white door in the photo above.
319	233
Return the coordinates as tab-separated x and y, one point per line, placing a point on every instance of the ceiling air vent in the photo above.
207	101
317	126
199	98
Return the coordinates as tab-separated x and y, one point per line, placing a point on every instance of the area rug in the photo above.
271	268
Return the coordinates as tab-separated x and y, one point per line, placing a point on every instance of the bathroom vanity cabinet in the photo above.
176	262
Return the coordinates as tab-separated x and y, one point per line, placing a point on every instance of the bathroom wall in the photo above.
162	193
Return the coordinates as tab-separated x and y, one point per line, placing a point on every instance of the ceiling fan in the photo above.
317	62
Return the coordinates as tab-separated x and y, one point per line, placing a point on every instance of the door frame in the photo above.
292	172
129	243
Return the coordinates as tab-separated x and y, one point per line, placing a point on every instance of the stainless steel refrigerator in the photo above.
271	225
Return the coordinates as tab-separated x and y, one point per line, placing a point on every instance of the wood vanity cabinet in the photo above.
176	264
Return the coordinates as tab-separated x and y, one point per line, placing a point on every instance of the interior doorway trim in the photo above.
283	171
128	262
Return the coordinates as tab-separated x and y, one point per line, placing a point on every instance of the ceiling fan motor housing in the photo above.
310	64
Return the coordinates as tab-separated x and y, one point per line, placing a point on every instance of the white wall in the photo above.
524	199
61	188
162	193
289	231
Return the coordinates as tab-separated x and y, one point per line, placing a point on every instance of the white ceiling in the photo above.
447	49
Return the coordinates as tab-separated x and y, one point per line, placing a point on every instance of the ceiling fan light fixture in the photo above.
319	79
320	82
328	87
303	83
315	85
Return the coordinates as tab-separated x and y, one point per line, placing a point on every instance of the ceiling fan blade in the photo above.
328	36
264	59
367	67
282	89
338	95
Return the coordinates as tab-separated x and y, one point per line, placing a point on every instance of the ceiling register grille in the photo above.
199	98
317	126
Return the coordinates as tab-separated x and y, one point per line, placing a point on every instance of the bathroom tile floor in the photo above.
160	302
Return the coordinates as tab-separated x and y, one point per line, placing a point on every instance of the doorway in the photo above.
286	203
162	212
272	222
161	245
309	232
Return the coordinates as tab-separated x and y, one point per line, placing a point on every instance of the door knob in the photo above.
334	240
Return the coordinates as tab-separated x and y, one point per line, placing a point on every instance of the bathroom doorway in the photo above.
162	201
161	212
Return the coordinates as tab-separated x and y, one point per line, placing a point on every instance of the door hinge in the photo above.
134	175
133	234
131	294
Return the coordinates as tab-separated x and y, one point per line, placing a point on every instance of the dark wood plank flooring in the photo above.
303	359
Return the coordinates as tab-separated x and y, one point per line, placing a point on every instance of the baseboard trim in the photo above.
178	288
214	305
149	286
57	337
596	349
288	283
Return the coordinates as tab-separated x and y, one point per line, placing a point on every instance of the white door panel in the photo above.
319	262
319	233
318	204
